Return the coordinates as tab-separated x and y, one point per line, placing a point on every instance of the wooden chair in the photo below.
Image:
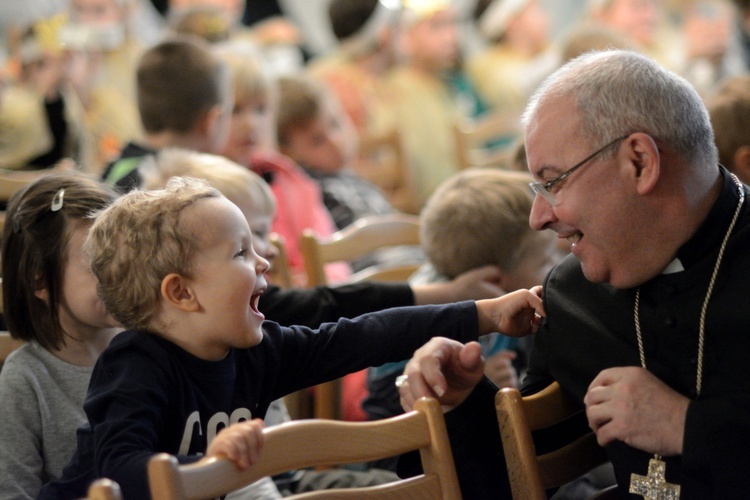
104	489
382	161
306	443
299	403
531	474
472	139
281	274
359	239
7	345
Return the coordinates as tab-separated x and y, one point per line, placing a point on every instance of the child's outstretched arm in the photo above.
241	443
515	314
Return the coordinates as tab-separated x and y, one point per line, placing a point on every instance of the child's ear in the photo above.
176	291
41	292
208	124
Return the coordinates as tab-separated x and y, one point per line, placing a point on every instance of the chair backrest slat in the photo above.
531	474
308	443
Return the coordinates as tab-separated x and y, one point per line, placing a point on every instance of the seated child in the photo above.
50	302
254	198
314	132
252	143
729	108
177	267
432	92
477	217
184	100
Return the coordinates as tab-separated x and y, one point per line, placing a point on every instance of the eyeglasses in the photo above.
544	188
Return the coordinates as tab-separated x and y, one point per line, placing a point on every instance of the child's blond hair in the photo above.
478	217
137	241
249	76
234	181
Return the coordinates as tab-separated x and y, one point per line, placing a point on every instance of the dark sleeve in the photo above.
350	345
314	306
537	374
125	406
58	128
341	214
477	450
717	434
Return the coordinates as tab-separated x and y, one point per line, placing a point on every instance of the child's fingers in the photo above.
241	443
249	441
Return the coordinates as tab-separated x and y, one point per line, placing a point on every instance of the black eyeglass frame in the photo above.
543	188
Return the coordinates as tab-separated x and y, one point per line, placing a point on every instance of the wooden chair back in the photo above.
281	274
359	239
531	474
7	345
383	162
104	489
307	443
473	140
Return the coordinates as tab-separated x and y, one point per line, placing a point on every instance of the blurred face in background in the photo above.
327	143
532	24
638	20
251	128
98	12
230	8
431	42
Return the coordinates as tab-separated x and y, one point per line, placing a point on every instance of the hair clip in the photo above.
57	201
16	224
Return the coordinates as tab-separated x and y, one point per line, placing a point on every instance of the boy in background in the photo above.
252	143
432	92
313	130
184	100
729	109
476	218
177	268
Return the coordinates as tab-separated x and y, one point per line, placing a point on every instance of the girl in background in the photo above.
50	302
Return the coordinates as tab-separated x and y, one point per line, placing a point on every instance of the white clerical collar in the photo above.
673	267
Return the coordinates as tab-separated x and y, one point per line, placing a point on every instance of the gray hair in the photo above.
620	92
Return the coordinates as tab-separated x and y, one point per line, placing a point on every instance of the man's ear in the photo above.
176	292
644	161
741	165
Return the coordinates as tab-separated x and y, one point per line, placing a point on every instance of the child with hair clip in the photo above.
50	302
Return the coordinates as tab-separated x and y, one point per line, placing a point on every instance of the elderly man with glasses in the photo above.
645	324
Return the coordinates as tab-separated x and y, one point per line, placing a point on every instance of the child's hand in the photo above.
499	368
516	314
241	443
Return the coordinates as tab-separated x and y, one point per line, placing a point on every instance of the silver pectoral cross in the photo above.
653	486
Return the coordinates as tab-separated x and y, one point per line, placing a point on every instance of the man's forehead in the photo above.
550	130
